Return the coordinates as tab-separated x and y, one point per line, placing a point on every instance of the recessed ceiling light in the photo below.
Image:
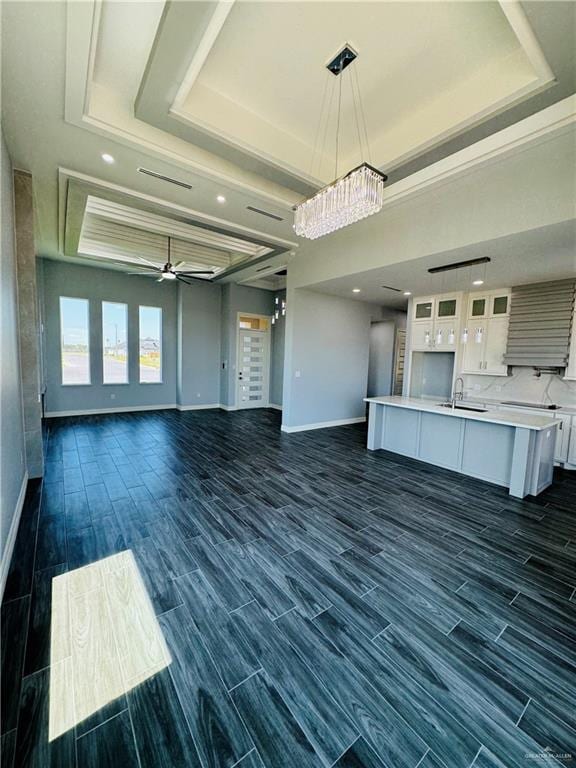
356	290
407	293
477	282
221	199
107	158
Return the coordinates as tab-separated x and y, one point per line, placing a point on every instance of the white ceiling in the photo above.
414	60
542	254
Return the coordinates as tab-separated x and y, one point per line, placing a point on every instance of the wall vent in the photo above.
264	213
161	176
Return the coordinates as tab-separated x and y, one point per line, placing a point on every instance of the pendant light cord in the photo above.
338	118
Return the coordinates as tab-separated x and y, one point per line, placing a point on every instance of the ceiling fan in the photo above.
169	271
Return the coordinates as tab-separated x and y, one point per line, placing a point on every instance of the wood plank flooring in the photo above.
318	604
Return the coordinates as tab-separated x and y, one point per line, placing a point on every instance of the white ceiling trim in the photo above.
527	39
217	21
82	25
552	121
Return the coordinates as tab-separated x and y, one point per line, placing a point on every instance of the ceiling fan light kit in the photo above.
355	195
170	271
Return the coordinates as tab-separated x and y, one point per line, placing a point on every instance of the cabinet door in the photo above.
473	357
496	340
562	438
447	307
422	335
445	335
424	309
477	307
499	305
572	443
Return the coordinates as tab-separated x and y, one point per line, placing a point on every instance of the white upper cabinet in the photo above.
435	322
485	333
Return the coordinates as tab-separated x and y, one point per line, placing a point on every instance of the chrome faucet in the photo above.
458	395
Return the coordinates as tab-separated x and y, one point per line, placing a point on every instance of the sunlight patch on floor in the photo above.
105	639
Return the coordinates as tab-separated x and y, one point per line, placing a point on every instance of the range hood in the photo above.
540	324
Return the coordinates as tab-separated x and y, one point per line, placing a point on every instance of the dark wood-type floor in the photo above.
323	605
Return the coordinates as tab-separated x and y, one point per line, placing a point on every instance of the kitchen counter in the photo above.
505	447
501	416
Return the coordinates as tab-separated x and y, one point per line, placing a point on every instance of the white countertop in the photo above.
567	410
509	418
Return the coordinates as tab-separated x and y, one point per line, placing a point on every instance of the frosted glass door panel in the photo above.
253	368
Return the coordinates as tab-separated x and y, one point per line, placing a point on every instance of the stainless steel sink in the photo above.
463	407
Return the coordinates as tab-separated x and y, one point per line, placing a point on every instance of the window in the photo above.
114	343
253	323
74	341
150	345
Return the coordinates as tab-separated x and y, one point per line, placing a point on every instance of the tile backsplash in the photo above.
523	386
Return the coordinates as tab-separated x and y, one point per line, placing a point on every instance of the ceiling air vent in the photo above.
161	176
264	213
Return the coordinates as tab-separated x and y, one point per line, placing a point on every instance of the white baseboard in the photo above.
276	407
198	407
118	409
12	533
130	408
323	424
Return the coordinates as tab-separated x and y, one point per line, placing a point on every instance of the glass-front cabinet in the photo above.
424	309
446	308
485	333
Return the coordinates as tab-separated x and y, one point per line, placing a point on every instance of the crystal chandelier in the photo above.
352	197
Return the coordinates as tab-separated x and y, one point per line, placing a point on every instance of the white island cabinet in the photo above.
512	449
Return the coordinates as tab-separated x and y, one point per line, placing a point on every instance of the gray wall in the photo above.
237	298
277	356
327	341
199	338
199	332
12	448
97	285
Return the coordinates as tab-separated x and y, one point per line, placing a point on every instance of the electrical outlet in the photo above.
297	374
197	394
498	388
477	387
112	396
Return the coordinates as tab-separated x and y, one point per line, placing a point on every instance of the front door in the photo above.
253	364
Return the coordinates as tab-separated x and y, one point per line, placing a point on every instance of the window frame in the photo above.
75	383
161	344
115	383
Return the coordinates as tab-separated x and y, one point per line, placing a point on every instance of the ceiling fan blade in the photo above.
175	266
142	274
197	272
150	263
188	280
160	279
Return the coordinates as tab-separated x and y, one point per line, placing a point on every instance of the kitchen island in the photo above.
515	450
